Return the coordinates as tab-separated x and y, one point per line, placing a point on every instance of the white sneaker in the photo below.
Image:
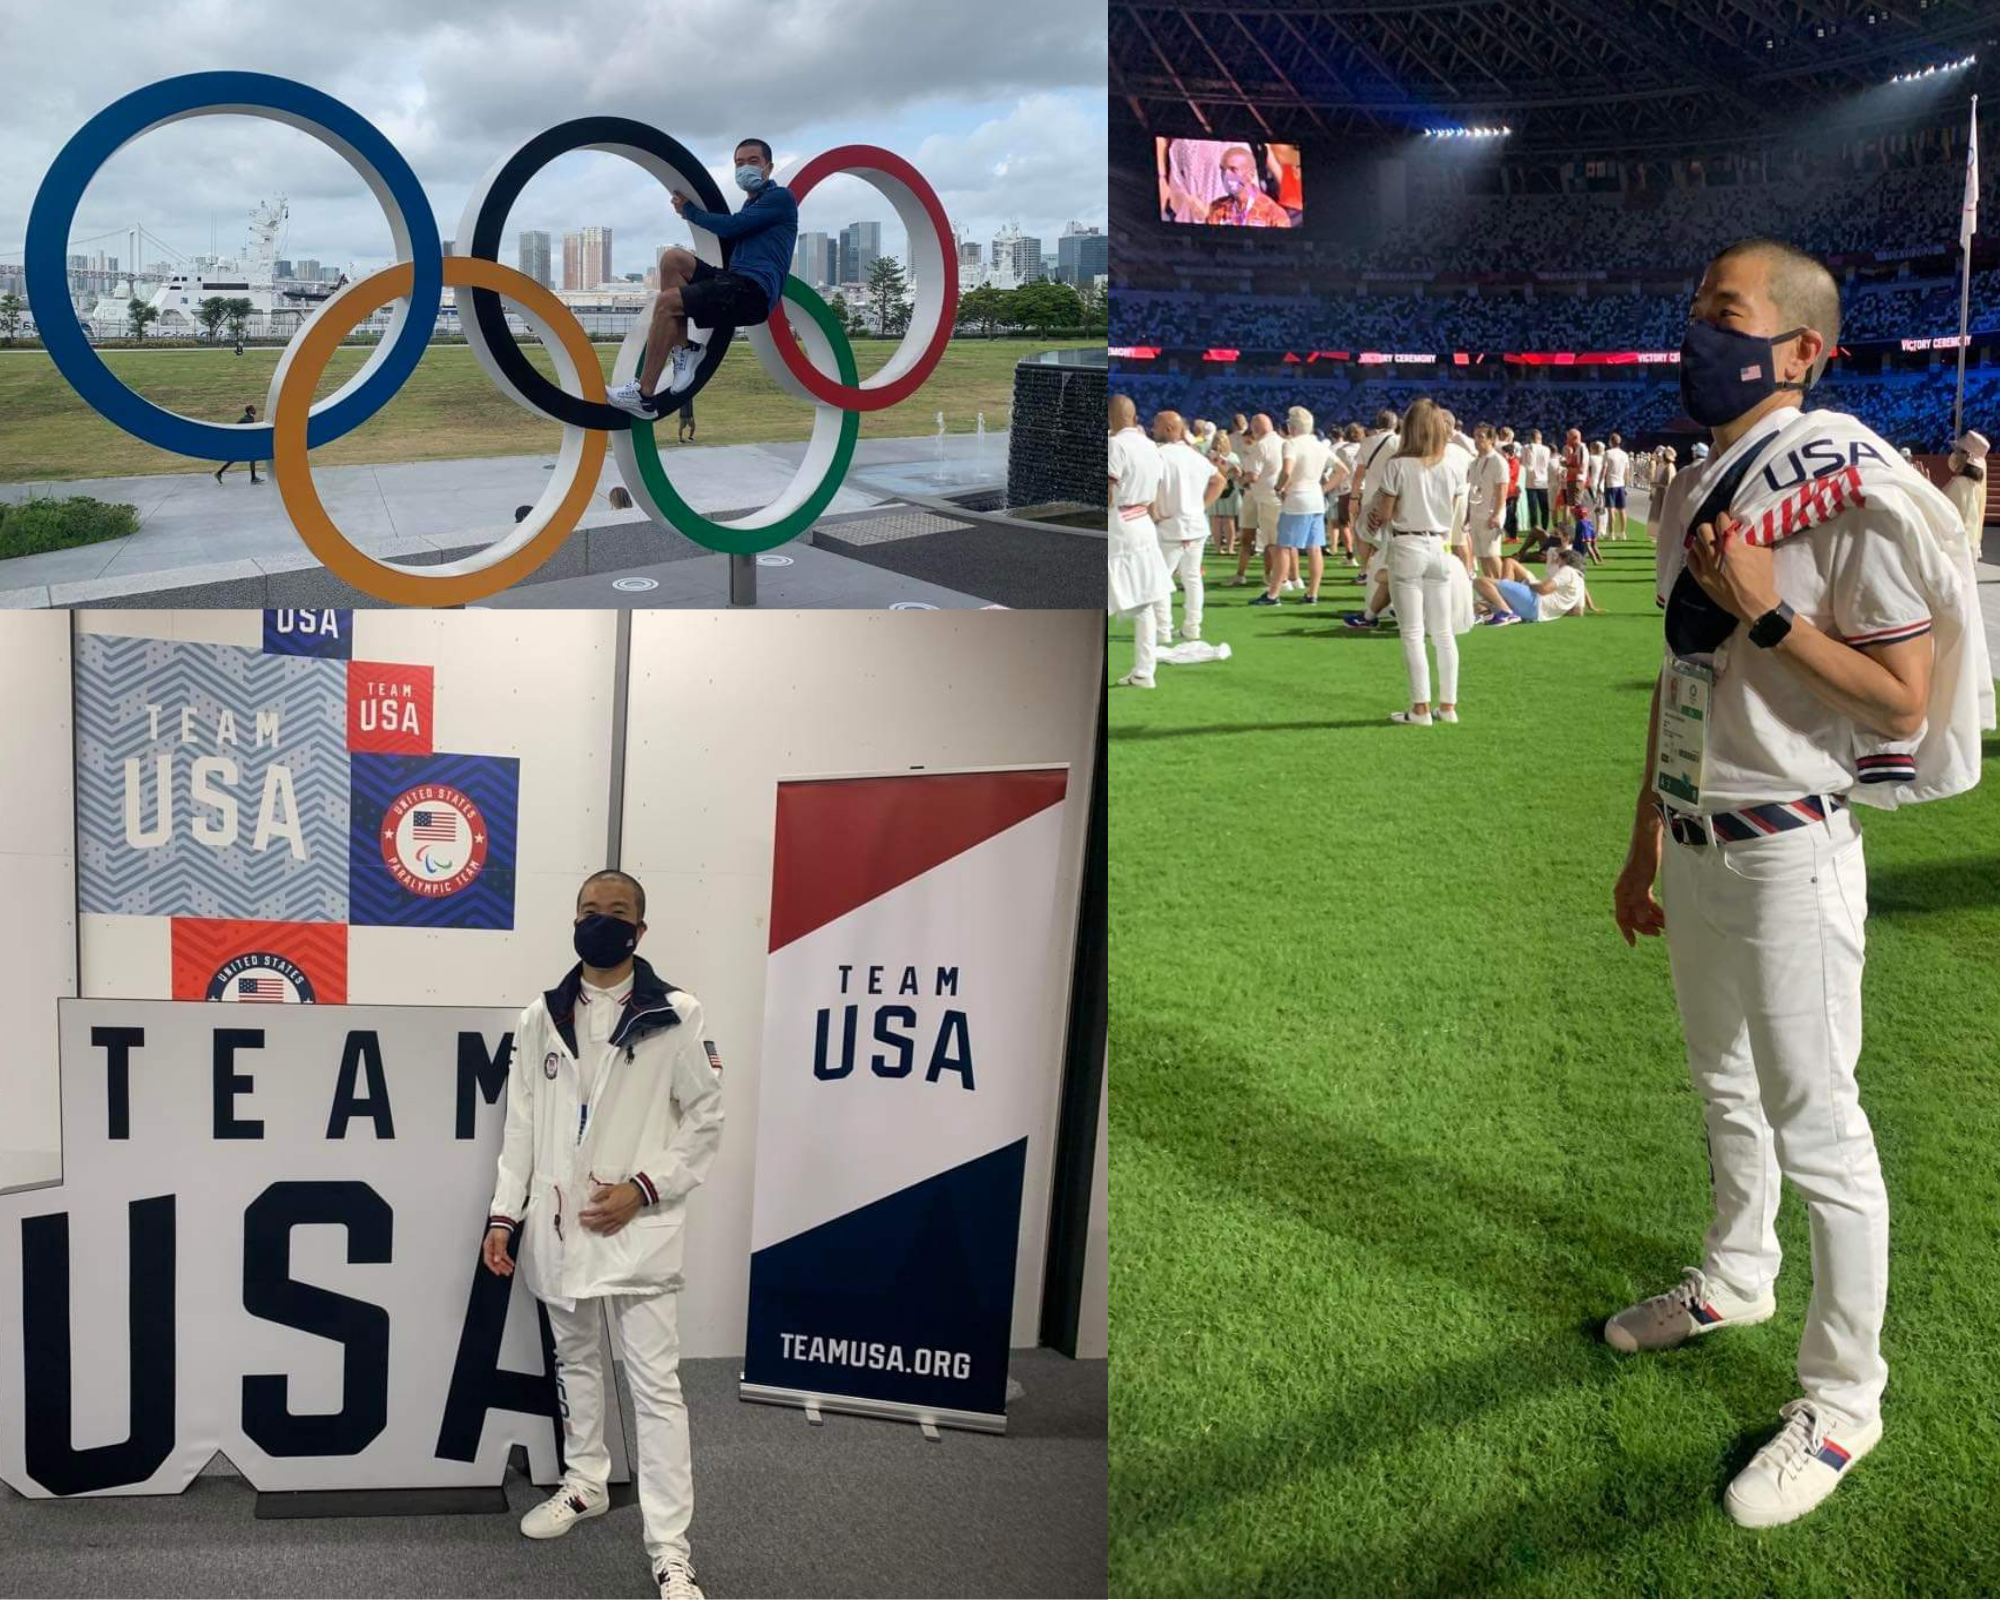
676	1581
1411	719
1446	716
562	1511
1797	1469
1696	1305
1166	638
1133	681
681	364
629	397
1191	635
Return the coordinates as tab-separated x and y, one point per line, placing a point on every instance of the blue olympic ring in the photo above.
342	129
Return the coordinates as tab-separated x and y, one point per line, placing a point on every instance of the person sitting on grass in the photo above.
1517	597
1583	537
740	295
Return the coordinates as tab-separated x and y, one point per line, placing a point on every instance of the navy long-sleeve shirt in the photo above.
762	235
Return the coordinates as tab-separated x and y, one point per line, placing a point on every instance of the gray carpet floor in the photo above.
854	1507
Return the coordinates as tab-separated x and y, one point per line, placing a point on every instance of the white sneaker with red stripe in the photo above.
1799	1468
1696	1305
562	1511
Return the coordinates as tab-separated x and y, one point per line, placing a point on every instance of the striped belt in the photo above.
1751	822
1134	513
1415	533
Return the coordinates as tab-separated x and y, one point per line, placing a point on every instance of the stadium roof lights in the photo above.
1467	133
1932	72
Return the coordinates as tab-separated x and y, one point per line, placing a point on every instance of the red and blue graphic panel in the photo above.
432	841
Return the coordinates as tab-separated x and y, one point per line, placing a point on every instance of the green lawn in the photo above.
449	409
1397	1120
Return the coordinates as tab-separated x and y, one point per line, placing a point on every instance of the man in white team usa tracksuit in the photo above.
614	1112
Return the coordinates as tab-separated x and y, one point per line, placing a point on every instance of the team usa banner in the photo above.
906	1061
266	800
265	1241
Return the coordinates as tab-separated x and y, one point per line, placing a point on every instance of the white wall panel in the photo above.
37	883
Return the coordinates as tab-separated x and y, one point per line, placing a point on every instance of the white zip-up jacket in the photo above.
655	1120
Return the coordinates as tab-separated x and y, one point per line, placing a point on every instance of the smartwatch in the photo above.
1770	629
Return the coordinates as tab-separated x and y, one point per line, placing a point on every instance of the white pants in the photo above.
1183	559
1420	586
649	1331
1145	640
1765	939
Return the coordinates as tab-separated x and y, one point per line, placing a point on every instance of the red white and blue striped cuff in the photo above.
1895	635
647	1188
497	1220
1886	768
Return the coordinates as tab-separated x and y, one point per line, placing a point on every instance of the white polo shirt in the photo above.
1184	477
1565	597
601	1009
1134	465
1616	462
1535	467
1769	737
1486	489
1376	452
1310	459
1424	494
1266	459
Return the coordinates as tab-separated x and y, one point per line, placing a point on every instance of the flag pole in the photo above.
1965	272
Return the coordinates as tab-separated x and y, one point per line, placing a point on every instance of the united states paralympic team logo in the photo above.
802	348
433	840
259	977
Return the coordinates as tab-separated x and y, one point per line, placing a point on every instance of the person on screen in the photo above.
1244	203
614	1115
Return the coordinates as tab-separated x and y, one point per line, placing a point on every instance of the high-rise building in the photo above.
451	247
813	259
586	258
309	271
281	268
1082	254
532	256
1016	257
860	245
968	256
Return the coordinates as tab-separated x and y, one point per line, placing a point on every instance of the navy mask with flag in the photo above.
1724	373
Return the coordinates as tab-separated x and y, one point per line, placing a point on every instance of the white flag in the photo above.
1969	222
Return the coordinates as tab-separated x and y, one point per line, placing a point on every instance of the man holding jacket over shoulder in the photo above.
614	1113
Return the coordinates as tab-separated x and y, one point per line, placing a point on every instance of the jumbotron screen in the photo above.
1230	183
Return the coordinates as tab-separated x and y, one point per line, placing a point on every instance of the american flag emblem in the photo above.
260	989
714	1059
440	825
1750	374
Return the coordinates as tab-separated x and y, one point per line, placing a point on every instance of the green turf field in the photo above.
449	409
1397	1120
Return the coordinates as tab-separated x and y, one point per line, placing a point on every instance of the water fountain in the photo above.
1055	448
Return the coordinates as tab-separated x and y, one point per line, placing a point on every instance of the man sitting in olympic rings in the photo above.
737	296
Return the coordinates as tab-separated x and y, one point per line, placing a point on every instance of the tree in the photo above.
211	314
885	291
138	317
1095	309
983	308
239	314
11	307
839	307
1042	306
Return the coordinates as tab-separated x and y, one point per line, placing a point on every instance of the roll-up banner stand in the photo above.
909	1057
265	1241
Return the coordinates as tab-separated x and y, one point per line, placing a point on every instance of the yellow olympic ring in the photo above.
533	540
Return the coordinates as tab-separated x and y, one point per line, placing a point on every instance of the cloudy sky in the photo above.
1002	107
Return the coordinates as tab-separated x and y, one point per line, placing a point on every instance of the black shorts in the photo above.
715	297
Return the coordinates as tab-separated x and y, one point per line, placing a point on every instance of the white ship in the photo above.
275	307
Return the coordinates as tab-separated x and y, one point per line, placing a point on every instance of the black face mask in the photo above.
1724	373
602	941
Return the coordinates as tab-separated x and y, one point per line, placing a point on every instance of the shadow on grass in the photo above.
1969	882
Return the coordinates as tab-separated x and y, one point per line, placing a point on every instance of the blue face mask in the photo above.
1724	373
749	179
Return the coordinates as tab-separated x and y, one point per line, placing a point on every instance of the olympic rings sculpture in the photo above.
803	347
